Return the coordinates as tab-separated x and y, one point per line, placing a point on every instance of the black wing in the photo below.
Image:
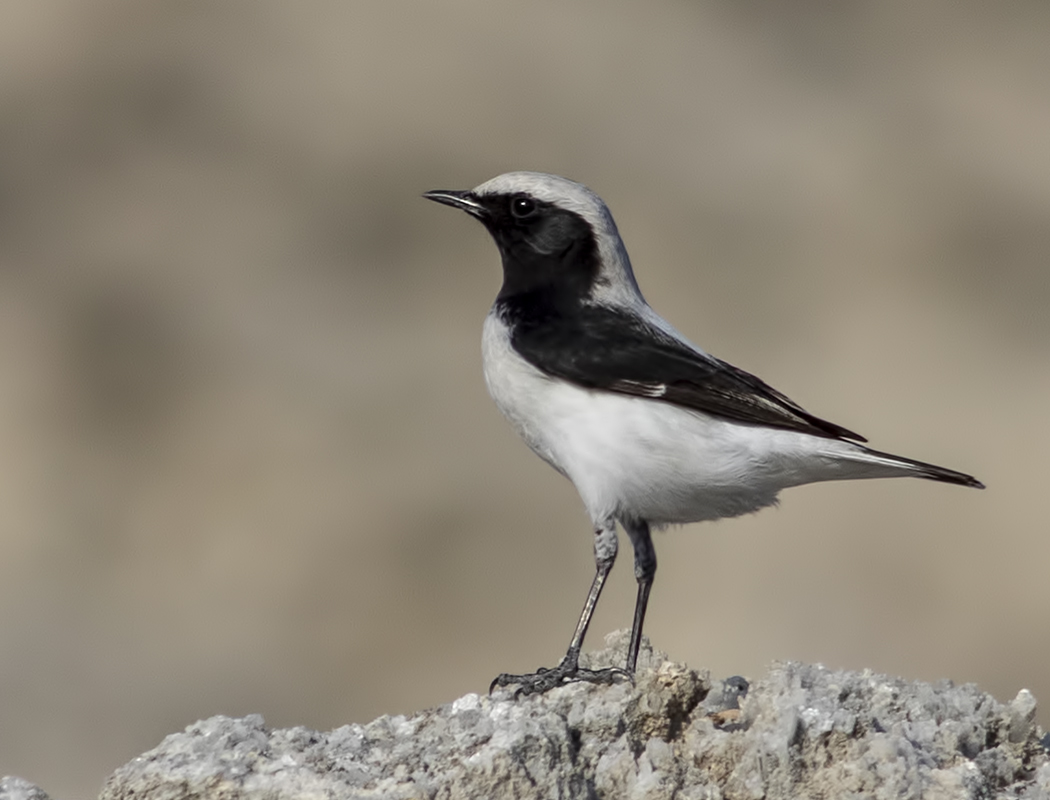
603	348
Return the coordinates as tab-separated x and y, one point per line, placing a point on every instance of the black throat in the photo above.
552	254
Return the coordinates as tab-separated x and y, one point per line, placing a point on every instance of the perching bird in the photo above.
650	429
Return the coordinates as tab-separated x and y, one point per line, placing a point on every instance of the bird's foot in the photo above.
568	671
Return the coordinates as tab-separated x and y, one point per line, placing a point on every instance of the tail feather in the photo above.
922	469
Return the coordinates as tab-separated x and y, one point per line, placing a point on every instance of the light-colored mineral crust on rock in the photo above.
801	732
12	788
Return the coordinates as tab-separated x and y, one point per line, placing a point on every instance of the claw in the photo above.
544	679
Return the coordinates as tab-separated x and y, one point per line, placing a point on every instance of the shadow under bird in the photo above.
650	429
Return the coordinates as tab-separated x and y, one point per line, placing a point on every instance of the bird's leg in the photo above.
605	546
644	571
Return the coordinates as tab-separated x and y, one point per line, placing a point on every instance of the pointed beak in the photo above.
463	200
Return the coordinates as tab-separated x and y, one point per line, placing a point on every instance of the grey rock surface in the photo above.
12	788
802	731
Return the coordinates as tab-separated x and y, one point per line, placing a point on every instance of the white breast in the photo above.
646	459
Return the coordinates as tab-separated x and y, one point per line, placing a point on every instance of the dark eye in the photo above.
522	206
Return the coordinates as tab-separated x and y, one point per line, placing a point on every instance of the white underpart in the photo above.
645	459
636	458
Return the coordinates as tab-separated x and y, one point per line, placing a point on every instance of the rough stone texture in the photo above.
12	788
801	732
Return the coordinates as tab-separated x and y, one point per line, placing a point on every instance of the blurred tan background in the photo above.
247	460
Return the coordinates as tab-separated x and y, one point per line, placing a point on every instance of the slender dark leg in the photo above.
541	680
644	571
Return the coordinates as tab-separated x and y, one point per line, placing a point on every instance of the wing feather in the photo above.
604	348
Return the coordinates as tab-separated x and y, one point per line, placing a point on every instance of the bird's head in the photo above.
553	234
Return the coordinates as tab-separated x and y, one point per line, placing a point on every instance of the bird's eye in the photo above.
522	206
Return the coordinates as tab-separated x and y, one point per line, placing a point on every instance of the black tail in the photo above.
932	471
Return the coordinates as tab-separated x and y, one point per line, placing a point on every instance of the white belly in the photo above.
645	459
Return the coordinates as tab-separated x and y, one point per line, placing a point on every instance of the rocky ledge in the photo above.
802	731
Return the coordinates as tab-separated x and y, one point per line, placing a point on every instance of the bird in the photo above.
651	430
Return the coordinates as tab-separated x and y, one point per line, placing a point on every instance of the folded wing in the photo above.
604	348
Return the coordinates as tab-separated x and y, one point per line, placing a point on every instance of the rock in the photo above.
802	731
12	788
